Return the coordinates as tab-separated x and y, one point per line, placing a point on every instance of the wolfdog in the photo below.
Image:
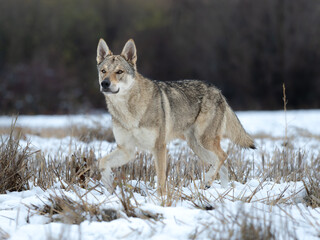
148	114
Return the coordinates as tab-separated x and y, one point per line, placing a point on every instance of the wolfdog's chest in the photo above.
127	127
125	115
140	137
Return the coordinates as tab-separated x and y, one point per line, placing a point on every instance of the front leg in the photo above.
116	158
161	167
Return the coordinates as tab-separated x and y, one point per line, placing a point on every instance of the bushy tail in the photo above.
235	131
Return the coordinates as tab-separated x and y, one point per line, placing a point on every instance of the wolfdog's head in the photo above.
116	72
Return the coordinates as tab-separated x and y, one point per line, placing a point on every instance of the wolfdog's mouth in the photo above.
108	91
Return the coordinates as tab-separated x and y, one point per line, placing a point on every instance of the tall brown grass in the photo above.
14	163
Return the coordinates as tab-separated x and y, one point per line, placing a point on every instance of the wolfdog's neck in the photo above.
128	108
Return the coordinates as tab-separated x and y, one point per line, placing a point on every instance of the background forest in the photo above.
247	48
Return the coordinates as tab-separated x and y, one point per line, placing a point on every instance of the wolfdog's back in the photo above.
187	98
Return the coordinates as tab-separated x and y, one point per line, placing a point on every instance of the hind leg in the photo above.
209	156
209	177
220	166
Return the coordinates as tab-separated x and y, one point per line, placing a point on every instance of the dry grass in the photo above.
61	208
14	172
283	164
80	169
244	225
305	133
256	228
312	185
82	133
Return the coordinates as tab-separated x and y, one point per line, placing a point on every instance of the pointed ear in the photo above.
102	51
129	52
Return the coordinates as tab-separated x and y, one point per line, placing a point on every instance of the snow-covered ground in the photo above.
270	122
263	203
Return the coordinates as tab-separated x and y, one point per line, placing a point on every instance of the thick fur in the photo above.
148	114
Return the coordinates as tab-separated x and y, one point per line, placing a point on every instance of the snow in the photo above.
44	121
273	122
268	122
255	201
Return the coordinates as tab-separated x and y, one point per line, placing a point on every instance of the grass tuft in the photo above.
61	208
253	231
312	186
14	171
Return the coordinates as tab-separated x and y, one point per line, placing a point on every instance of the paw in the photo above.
101	164
107	180
108	185
205	185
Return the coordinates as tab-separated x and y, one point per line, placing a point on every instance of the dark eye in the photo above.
119	72
103	71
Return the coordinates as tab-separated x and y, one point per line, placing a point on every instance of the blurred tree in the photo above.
247	48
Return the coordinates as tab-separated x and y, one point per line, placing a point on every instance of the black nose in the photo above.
105	83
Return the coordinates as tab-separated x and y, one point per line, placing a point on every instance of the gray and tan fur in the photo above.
148	114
